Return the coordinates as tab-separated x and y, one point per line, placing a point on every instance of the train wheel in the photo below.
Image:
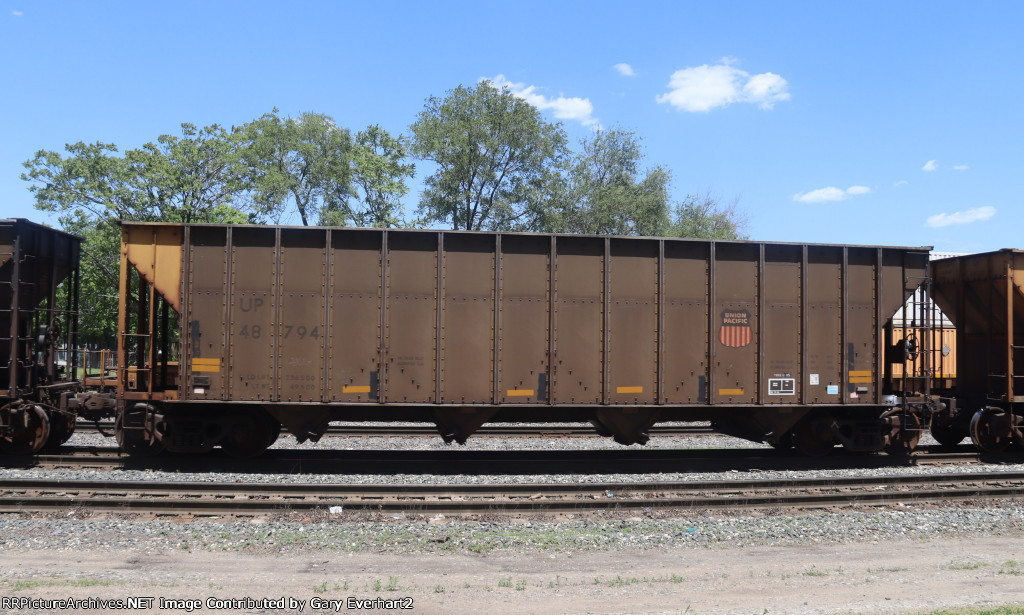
904	432
62	427
245	435
30	427
947	432
133	441
813	436
990	430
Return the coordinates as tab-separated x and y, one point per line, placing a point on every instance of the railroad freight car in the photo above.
35	320
230	332
983	294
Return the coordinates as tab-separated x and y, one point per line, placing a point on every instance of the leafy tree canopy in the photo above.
194	177
304	162
379	172
491	150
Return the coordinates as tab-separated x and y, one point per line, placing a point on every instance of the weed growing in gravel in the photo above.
814	572
1011	567
507	582
439	589
891	569
21	585
56	580
966	566
319	589
521	585
556	583
94	583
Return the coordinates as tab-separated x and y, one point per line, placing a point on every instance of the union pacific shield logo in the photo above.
735	331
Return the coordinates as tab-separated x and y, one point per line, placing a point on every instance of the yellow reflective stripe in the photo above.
629	389
730	391
355	388
206	365
860	380
519	392
861	372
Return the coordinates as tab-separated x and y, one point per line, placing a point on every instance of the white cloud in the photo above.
902	182
578	109
624	69
931	165
831	193
978	214
17	13
960	167
702	88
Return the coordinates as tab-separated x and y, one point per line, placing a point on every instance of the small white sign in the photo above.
814	380
782	386
833	389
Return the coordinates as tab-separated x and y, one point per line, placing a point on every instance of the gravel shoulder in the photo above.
898	576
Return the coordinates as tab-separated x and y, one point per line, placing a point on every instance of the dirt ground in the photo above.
899	577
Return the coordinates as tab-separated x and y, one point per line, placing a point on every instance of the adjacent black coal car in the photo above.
37	317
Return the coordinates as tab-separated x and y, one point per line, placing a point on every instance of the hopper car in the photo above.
38	315
231	333
983	294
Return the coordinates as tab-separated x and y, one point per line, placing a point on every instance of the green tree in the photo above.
491	150
378	174
702	216
305	161
192	178
602	191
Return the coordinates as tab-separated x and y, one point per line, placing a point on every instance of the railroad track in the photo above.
456	461
242	499
487	431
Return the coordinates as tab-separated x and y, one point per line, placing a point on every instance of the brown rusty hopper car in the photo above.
983	294
35	321
230	332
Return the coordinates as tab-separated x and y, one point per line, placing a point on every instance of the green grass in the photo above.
966	566
1011	567
93	583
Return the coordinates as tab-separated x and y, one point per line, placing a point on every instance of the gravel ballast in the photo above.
602	531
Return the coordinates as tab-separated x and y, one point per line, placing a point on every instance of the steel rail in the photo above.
19	495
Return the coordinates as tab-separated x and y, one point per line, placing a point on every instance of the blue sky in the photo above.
878	123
